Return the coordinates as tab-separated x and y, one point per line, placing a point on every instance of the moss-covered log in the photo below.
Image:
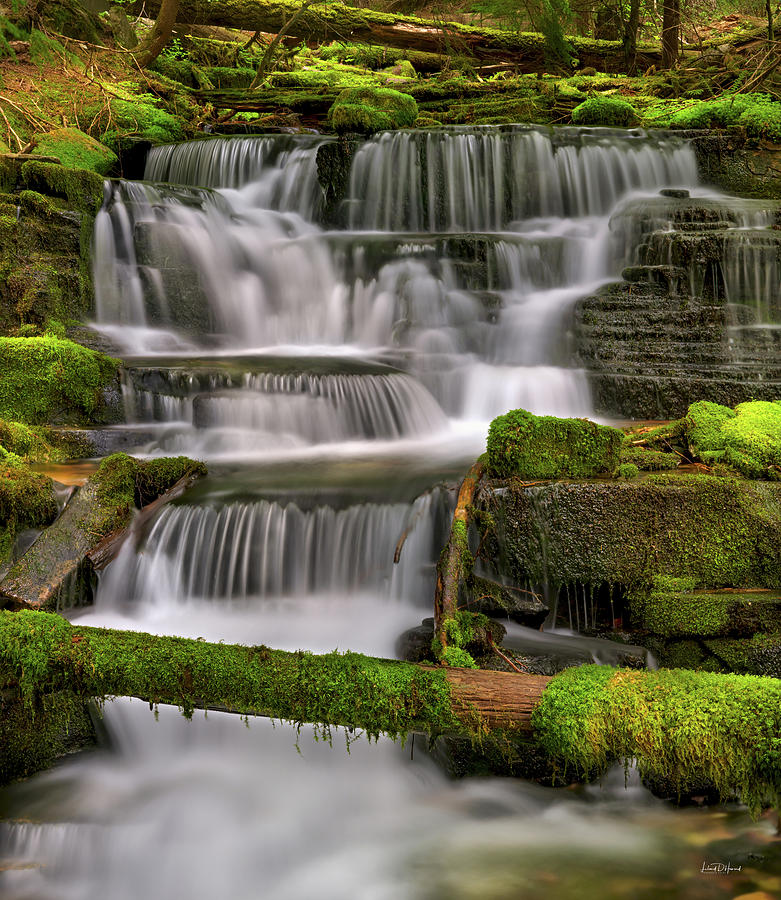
335	21
56	572
679	725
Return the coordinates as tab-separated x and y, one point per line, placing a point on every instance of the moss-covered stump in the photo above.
35	737
719	531
680	727
57	571
47	379
677	607
530	446
46	217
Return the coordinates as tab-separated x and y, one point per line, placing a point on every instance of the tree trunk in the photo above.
671	25
161	33
335	21
630	36
770	29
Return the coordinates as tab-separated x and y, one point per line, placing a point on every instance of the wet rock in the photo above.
674	192
498	600
414	645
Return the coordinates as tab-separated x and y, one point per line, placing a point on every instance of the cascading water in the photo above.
333	378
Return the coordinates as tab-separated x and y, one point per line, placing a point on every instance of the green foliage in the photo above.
45	379
367	110
530	446
44	652
77	150
678	725
747	438
602	110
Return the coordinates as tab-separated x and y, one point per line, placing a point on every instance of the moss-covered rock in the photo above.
719	531
77	150
747	438
46	379
520	443
368	110
602	110
26	500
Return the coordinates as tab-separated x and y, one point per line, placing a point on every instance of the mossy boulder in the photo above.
367	110
46	379
747	438
602	110
520	443
77	150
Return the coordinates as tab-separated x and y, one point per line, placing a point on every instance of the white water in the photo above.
473	325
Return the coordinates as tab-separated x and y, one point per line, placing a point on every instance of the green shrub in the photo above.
367	110
520	443
605	111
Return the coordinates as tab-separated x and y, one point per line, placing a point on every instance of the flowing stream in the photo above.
338	381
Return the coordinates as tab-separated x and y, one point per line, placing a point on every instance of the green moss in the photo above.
649	460
77	150
367	110
720	531
123	482
627	471
34	739
747	438
26	500
757	655
530	446
44	379
759	114
23	440
603	110
678	725
673	607
82	189
43	652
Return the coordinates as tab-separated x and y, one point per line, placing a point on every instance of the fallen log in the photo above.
336	21
678	725
56	571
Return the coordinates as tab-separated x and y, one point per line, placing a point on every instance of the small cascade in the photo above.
482	179
248	552
281	168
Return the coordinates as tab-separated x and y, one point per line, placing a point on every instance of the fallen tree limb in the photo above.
336	21
679	725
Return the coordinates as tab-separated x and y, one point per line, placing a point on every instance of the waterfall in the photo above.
482	179
246	552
